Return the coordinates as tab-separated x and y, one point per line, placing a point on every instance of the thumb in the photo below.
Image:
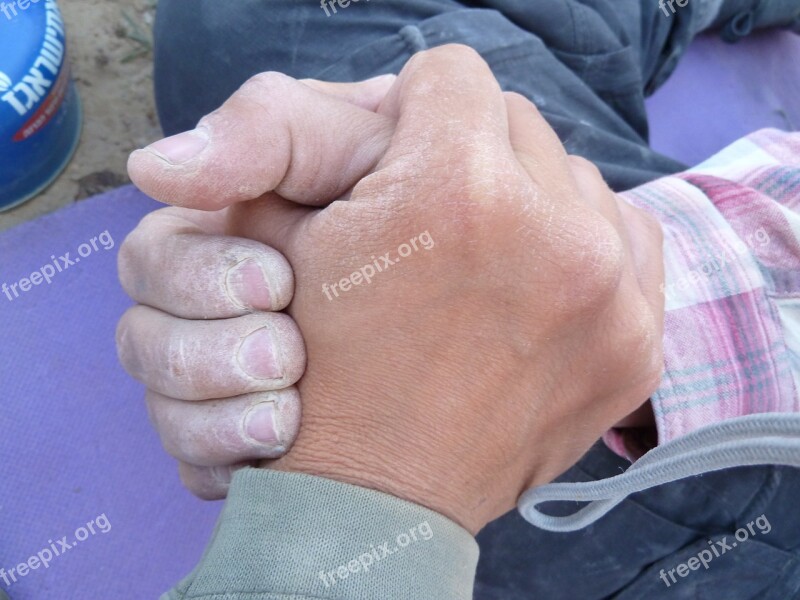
274	134
272	220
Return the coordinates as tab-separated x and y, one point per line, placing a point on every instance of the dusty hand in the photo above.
218	362
202	294
462	374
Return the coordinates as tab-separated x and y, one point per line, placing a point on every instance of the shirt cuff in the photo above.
288	535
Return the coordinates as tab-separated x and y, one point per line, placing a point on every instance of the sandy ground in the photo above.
111	54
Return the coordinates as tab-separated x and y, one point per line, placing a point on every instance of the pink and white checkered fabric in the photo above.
732	289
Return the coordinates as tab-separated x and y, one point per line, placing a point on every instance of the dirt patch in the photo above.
110	46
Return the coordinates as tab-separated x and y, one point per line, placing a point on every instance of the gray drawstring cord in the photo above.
764	439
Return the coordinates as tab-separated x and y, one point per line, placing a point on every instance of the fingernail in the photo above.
248	286
180	148
259	424
258	355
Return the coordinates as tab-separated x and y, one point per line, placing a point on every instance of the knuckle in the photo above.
152	403
129	249
130	268
428	69
268	83
125	338
653	373
124	328
154	223
150	231
257	99
479	190
597	266
440	57
149	222
651	225
154	255
126	266
640	348
584	166
479	175
177	367
516	97
462	188
177	428
157	352
209	483
460	53
199	482
515	100
652	348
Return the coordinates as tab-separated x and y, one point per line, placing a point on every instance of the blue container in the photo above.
40	113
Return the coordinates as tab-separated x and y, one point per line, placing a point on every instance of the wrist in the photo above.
396	476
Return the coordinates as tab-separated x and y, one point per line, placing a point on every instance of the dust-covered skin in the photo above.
308	160
490	363
180	263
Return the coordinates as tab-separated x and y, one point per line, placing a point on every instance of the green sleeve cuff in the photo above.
288	536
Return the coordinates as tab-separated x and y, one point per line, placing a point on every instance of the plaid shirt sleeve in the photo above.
732	289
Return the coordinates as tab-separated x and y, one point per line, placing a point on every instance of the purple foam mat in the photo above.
75	443
722	92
